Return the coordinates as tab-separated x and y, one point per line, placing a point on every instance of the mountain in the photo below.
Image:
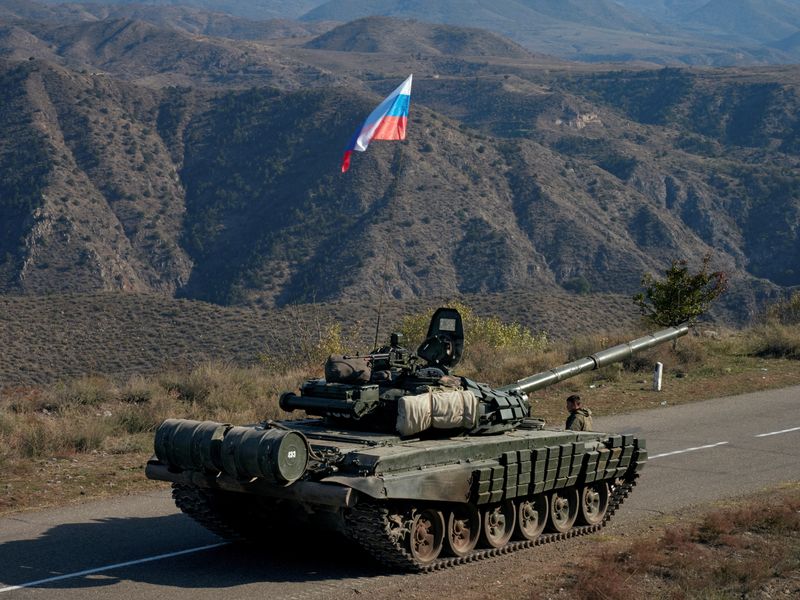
251	9
142	158
139	51
181	18
16	43
607	14
235	196
663	10
788	44
22	9
385	35
196	21
498	15
762	20
668	32
70	202
492	13
595	30
48	338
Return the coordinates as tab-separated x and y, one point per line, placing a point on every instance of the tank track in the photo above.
369	526
235	523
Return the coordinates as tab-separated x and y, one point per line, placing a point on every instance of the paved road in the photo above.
140	547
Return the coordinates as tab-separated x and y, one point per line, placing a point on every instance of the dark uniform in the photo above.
579	420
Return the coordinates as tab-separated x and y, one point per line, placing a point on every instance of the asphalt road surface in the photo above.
141	547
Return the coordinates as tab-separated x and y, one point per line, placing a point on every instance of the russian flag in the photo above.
387	122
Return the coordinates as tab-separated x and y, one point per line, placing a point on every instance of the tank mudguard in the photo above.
451	483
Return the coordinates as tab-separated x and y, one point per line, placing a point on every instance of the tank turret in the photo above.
422	468
387	389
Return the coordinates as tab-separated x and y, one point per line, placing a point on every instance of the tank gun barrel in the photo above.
596	360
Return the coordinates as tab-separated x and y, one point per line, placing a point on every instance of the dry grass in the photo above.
99	413
741	551
83	436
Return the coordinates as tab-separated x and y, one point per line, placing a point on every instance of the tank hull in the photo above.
386	491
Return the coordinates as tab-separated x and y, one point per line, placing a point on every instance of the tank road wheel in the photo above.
563	510
426	536
498	524
531	517
594	503
463	529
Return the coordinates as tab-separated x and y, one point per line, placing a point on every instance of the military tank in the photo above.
420	467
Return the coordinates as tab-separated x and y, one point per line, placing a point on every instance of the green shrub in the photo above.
488	331
501	366
778	341
85	434
311	349
84	391
139	390
578	285
586	345
136	419
194	387
128	444
7	423
37	436
690	351
681	296
785	312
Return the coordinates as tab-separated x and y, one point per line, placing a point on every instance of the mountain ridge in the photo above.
516	173
383	34
598	31
251	9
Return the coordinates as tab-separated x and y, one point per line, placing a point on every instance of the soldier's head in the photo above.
573	402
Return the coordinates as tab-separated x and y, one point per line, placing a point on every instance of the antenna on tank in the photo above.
380	298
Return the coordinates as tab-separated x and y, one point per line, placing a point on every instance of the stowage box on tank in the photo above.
422	468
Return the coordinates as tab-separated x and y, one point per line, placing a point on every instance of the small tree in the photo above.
681	296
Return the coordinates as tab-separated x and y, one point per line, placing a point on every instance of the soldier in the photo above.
579	419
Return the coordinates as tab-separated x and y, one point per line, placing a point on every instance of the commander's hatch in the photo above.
444	343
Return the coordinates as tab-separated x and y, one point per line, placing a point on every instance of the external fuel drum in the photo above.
275	455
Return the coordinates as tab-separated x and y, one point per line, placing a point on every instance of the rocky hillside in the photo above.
398	36
761	20
250	9
151	55
513	176
179	17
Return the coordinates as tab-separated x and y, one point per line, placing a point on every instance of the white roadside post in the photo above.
657	374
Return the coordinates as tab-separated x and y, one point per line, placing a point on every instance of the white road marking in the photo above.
778	432
688	450
110	567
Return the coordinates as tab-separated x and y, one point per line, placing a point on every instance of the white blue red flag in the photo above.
387	122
